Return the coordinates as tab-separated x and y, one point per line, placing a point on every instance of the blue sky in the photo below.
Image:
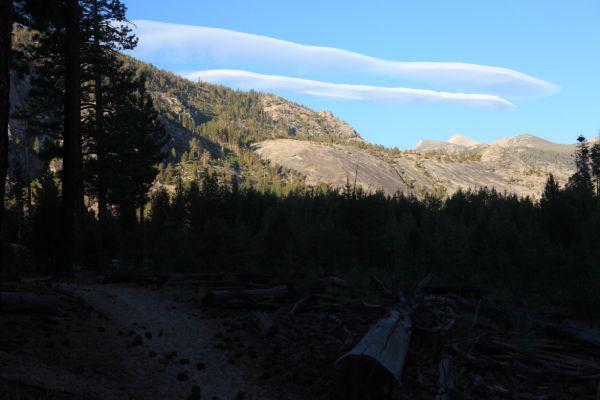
534	66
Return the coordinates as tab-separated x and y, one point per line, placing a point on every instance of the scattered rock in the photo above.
152	354
200	366
184	361
148	335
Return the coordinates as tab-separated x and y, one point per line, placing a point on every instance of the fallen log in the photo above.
28	303
377	360
568	329
218	296
575	331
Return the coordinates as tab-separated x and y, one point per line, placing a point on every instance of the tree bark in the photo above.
71	173
99	111
6	10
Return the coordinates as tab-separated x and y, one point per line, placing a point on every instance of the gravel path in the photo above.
181	339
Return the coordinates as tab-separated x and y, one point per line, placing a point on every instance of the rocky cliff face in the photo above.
19	143
302	121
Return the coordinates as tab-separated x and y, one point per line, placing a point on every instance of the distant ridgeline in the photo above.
215	129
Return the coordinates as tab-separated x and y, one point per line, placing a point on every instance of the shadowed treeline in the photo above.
511	247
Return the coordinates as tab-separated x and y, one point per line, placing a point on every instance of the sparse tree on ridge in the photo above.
581	181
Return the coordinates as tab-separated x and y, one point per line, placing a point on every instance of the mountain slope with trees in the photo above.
213	124
214	129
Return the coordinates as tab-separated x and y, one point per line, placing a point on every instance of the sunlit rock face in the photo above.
518	165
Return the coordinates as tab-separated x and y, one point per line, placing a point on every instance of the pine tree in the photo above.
58	71
551	190
581	182
44	221
104	32
72	189
134	146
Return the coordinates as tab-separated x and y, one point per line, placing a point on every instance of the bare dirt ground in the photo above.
155	338
158	340
117	342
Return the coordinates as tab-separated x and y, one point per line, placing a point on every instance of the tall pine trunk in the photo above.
99	111
71	174
6	10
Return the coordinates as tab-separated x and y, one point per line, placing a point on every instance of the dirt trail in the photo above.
166	328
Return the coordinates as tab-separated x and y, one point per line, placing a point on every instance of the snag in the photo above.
377	360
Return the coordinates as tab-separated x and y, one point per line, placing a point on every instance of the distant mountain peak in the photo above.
462	140
532	141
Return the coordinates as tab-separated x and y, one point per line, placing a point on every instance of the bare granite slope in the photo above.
518	165
333	164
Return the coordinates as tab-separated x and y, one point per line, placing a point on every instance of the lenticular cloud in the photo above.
276	83
186	43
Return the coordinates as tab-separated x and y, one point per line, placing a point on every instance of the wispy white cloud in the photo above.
187	42
276	83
